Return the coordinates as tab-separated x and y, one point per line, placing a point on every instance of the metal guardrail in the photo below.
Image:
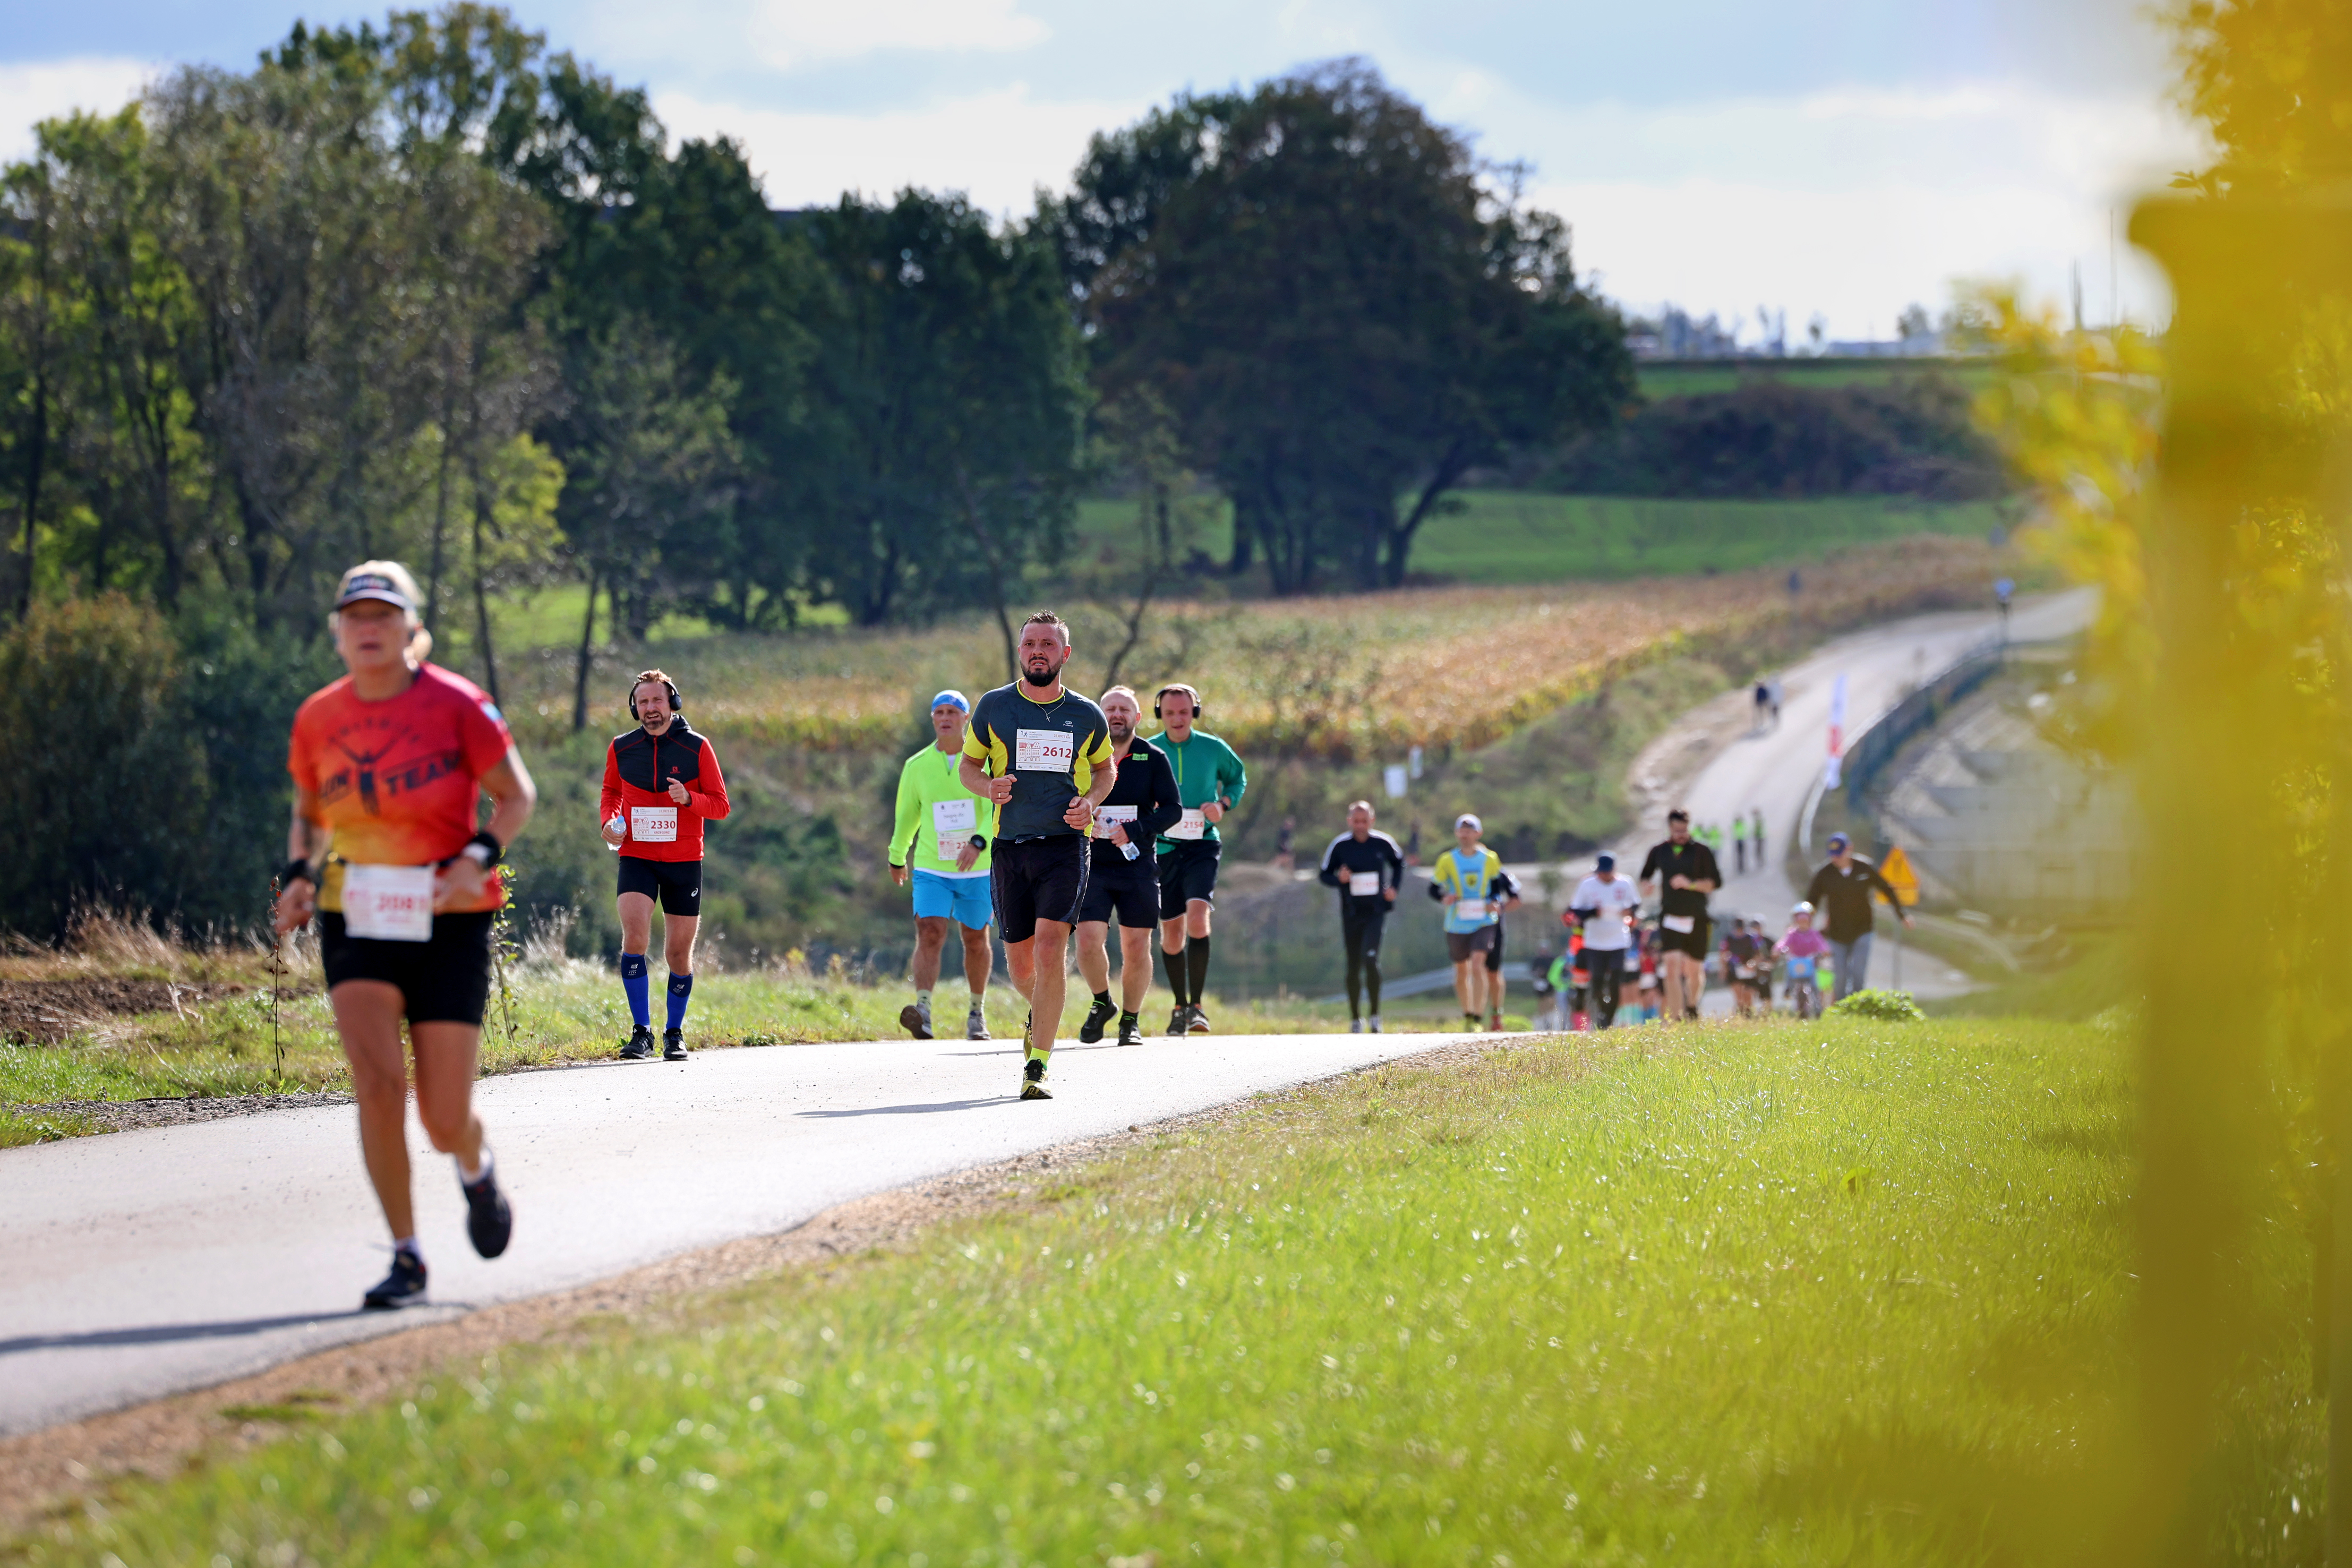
1876	746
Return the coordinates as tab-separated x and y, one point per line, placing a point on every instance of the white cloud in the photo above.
996	146
33	92
788	33
1851	203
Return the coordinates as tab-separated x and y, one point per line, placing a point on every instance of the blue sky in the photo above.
1811	156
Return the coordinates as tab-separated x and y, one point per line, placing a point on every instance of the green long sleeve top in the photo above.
1206	769
927	782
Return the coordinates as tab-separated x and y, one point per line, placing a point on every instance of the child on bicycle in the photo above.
1800	949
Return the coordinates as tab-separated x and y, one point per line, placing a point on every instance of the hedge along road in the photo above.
149	1263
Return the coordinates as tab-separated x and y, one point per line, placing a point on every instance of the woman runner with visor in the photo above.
389	763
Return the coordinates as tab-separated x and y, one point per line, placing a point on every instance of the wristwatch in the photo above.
979	841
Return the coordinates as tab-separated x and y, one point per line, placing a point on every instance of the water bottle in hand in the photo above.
619	824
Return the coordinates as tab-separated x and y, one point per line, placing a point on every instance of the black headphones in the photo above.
1163	692
677	703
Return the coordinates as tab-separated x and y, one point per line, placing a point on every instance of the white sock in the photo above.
408	1244
470	1178
979	999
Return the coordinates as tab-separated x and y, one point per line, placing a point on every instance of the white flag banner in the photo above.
1835	770
1393	776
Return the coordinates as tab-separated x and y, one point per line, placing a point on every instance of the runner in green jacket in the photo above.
1208	781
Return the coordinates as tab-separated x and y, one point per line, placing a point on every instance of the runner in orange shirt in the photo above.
390	764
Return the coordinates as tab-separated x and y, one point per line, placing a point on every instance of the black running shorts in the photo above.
444	980
1463	946
1116	885
1038	879
1693	941
1188	872
679	883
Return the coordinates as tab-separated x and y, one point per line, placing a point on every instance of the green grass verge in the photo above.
565	1011
1684	379
1845	1292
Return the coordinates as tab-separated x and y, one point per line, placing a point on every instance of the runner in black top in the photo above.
1368	868
1689	872
1043	754
1122	877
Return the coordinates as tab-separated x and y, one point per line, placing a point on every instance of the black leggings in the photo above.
1608	969
1359	931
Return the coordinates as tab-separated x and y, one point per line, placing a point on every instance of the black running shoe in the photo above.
641	1045
1196	1020
404	1287
1130	1030
916	1020
1101	1013
1179	1019
488	1221
674	1045
1033	1080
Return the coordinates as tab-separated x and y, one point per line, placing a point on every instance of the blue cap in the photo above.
1839	841
1606	863
954	698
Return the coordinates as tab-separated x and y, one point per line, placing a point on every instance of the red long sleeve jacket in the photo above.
637	771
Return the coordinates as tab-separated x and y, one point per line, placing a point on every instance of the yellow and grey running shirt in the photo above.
1052	749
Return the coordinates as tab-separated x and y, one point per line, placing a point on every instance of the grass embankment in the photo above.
1832	1294
562	1010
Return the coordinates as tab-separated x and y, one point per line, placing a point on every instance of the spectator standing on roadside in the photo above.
1841	893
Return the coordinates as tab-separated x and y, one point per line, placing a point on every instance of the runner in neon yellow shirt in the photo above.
940	844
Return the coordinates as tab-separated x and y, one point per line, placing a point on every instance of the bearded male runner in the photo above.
1210	779
661	784
1123	878
939	843
1043	754
1689	870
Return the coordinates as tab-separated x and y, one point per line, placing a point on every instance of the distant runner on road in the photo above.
939	843
1123	876
661	784
1465	879
1043	754
1688	871
1368	868
1841	890
1744	954
1604	902
1506	898
389	765
1211	779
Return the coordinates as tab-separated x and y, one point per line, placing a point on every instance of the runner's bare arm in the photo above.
974	778
508	784
306	841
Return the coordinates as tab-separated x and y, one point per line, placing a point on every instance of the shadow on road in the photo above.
905	1110
166	1334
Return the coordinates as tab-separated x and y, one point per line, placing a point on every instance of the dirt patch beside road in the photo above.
46	1012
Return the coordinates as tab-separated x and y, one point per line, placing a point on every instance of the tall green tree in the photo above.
950	388
1345	311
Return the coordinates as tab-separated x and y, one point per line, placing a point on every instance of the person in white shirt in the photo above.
1603	902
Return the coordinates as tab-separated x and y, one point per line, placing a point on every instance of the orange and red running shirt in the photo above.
398	781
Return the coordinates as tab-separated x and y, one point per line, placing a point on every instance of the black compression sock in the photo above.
1175	965
1372	984
1196	967
1103	997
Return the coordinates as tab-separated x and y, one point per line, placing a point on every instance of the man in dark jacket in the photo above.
1123	878
1841	892
1368	868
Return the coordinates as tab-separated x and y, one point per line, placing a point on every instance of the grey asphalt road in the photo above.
143	1264
1773	768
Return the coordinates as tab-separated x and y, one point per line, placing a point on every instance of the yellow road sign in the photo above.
1896	869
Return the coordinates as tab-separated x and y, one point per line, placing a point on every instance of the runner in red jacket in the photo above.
661	784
